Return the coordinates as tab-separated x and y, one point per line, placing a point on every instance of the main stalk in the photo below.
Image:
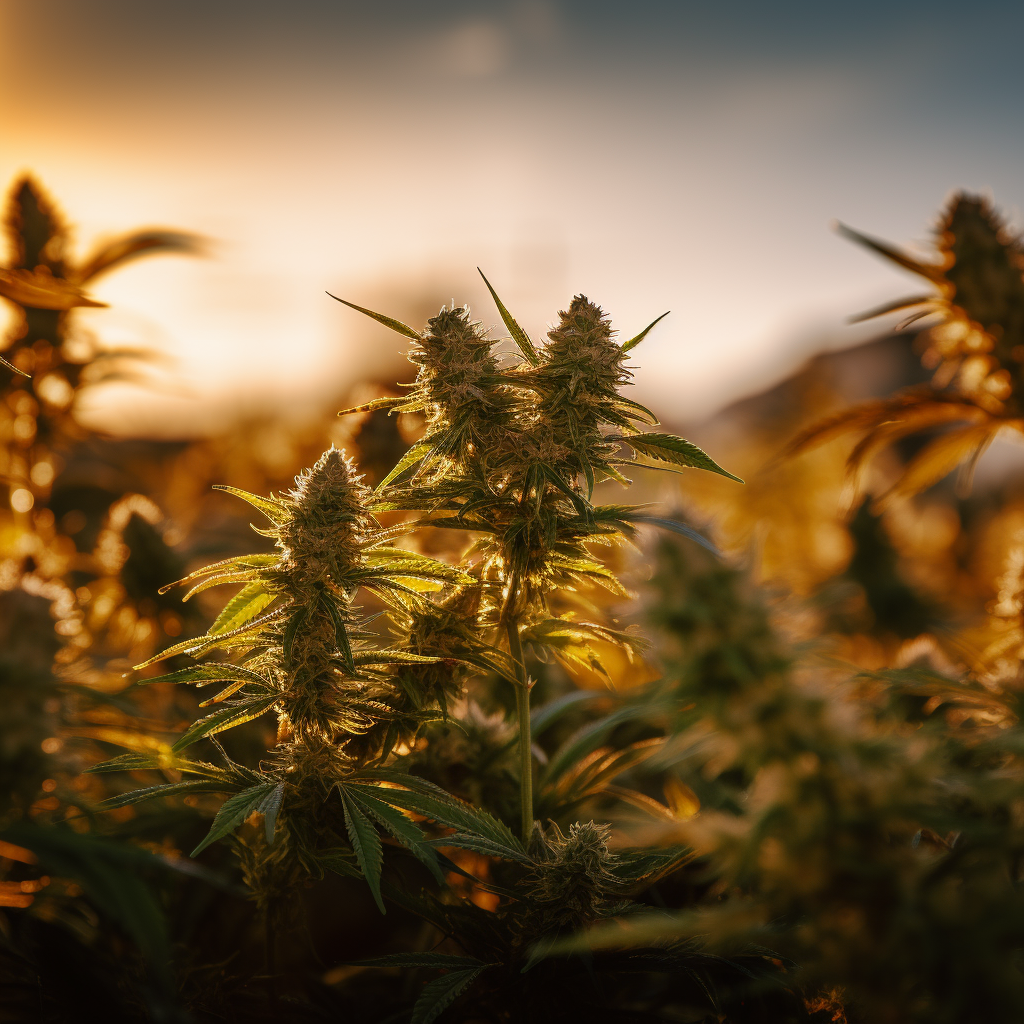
515	649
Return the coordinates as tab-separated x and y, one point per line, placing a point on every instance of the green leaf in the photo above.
633	342
410	458
588	739
246	604
579	503
294	621
237	563
588	472
519	336
404	830
269	807
677	450
392	656
135	761
452	812
341	636
222	579
273	508
209	672
465	841
373	405
387	321
234	811
635	409
170	789
226	718
365	843
440	993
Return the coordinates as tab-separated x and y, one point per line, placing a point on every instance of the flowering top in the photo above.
974	342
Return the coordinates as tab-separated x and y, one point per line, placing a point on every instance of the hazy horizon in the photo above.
661	156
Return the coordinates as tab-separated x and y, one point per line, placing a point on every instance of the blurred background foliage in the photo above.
835	698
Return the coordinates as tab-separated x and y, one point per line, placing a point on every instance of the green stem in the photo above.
515	648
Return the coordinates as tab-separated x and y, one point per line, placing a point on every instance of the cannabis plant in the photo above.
973	333
510	456
860	826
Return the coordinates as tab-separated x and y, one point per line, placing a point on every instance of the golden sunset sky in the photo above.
653	155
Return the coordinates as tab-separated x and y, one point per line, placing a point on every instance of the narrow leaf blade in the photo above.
519	336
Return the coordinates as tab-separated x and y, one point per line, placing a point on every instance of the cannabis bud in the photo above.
574	876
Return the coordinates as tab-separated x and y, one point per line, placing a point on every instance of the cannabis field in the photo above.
492	698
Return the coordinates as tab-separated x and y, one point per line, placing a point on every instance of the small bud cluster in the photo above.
574	880
322	536
576	389
462	390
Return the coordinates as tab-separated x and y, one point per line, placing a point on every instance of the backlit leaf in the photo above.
677	450
233	812
387	321
519	336
633	342
366	844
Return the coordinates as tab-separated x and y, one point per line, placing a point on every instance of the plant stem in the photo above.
515	648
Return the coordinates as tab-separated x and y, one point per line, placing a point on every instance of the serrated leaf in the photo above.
633	342
519	336
170	789
245	605
387	321
676	450
140	761
391	656
366	844
222	579
233	812
465	841
581	505
448	810
210	672
227	718
294	621
237	563
410	458
269	807
405	831
273	508
440	993
229	691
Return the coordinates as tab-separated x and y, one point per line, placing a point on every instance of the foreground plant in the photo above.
510	455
